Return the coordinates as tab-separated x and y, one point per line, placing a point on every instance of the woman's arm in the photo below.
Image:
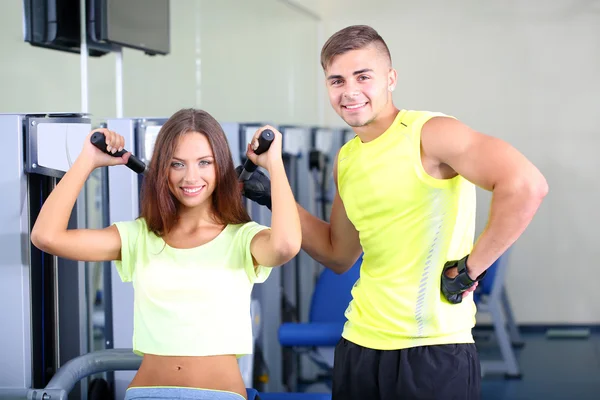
50	233
282	242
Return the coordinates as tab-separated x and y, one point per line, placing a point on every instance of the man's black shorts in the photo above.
440	372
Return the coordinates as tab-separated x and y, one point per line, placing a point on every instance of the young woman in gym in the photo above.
193	255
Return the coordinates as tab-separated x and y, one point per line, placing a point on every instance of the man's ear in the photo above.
392	79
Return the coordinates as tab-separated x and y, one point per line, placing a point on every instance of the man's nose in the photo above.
351	92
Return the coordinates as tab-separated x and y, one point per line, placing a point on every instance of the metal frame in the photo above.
22	263
31	149
505	328
15	290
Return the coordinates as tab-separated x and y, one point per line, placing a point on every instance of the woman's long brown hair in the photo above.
159	206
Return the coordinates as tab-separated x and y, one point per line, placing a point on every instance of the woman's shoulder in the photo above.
135	227
139	223
250	227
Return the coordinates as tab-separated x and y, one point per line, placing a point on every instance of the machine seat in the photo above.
310	334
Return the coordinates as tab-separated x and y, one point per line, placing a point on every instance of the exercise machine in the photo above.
314	189
325	143
45	299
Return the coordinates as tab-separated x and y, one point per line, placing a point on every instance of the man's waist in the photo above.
386	341
396	319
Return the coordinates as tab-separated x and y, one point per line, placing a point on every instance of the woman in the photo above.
193	255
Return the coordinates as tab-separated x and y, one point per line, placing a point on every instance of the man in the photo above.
406	199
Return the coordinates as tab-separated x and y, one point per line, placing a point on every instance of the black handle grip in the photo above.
264	142
134	163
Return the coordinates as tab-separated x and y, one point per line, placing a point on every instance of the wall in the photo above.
238	60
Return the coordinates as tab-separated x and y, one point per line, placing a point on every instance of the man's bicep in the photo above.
345	240
483	160
344	236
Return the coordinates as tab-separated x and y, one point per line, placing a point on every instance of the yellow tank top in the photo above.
409	224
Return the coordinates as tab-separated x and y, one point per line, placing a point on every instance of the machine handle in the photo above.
134	163
264	142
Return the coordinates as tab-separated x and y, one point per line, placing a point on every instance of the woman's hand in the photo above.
96	157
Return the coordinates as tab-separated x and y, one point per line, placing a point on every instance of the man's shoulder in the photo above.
346	147
420	117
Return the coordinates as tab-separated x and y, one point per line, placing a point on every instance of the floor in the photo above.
552	369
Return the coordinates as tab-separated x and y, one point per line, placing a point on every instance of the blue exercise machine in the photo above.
318	337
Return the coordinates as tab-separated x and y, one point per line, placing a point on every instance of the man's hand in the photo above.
456	282
257	188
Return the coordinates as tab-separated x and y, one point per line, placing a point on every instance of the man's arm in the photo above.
517	185
336	244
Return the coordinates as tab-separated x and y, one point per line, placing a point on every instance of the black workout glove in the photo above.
257	188
453	288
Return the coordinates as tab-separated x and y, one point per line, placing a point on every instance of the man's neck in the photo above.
378	126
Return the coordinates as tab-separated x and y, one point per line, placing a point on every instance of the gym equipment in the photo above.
347	134
264	143
76	369
325	144
314	189
319	336
491	297
45	309
133	163
298	277
100	390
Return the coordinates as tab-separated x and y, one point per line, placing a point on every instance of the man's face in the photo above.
358	83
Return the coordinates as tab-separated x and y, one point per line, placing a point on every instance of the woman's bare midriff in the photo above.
208	372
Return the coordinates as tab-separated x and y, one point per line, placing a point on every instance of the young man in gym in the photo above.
406	199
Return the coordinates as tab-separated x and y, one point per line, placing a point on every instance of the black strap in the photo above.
463	276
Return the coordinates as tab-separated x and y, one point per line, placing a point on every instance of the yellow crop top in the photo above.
409	224
190	302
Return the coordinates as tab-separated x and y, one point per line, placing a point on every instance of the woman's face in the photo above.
192	173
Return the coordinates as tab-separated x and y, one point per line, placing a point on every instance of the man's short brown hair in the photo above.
354	37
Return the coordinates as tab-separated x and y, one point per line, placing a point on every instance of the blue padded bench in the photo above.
319	336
